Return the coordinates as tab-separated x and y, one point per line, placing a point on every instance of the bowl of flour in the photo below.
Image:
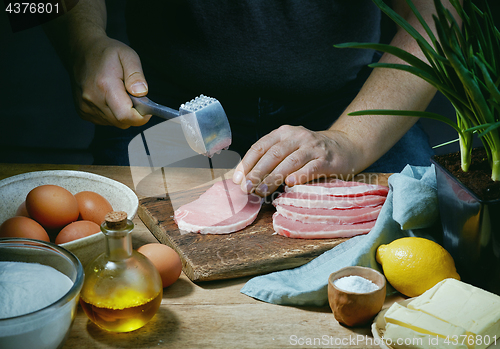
40	285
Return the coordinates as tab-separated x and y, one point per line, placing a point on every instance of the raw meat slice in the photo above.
335	216
222	209
339	188
326	201
299	230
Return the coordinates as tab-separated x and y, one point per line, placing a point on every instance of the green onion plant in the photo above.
463	63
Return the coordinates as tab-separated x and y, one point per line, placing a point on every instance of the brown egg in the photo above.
52	206
93	207
23	227
165	259
22	211
77	230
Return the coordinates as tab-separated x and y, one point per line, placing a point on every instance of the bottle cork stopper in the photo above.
116	219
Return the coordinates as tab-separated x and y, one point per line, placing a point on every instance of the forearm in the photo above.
372	136
71	33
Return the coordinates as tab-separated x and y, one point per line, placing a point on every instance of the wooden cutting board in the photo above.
251	251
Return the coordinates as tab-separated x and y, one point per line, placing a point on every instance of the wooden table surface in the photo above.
210	314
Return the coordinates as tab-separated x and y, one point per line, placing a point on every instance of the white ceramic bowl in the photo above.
13	191
48	327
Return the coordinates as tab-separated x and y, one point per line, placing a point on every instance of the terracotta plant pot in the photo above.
471	231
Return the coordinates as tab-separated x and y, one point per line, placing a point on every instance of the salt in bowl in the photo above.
353	308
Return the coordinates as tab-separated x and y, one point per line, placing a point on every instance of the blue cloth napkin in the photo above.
411	209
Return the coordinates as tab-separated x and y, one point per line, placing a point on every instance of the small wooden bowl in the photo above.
354	309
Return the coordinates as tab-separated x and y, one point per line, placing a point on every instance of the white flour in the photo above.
27	287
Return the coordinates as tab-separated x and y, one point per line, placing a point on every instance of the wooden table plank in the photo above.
212	314
216	315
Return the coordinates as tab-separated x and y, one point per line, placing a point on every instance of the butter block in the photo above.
463	305
401	337
421	322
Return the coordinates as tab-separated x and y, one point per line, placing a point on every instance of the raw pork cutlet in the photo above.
299	230
333	216
339	188
327	201
222	209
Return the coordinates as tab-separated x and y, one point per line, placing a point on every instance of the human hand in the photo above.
295	155
103	73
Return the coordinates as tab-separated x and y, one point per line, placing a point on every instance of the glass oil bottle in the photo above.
122	289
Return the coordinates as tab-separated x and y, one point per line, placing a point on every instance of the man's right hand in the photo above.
103	72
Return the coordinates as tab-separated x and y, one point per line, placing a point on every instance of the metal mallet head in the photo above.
203	121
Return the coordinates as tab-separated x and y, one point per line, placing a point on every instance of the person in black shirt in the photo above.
285	88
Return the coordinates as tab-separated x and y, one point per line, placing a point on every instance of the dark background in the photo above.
38	121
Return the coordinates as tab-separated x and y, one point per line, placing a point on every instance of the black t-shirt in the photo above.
269	62
280	50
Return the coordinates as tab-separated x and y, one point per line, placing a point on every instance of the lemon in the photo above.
413	265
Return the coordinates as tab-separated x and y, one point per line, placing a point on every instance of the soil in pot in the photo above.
478	178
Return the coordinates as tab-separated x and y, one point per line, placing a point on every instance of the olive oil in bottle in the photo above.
122	289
